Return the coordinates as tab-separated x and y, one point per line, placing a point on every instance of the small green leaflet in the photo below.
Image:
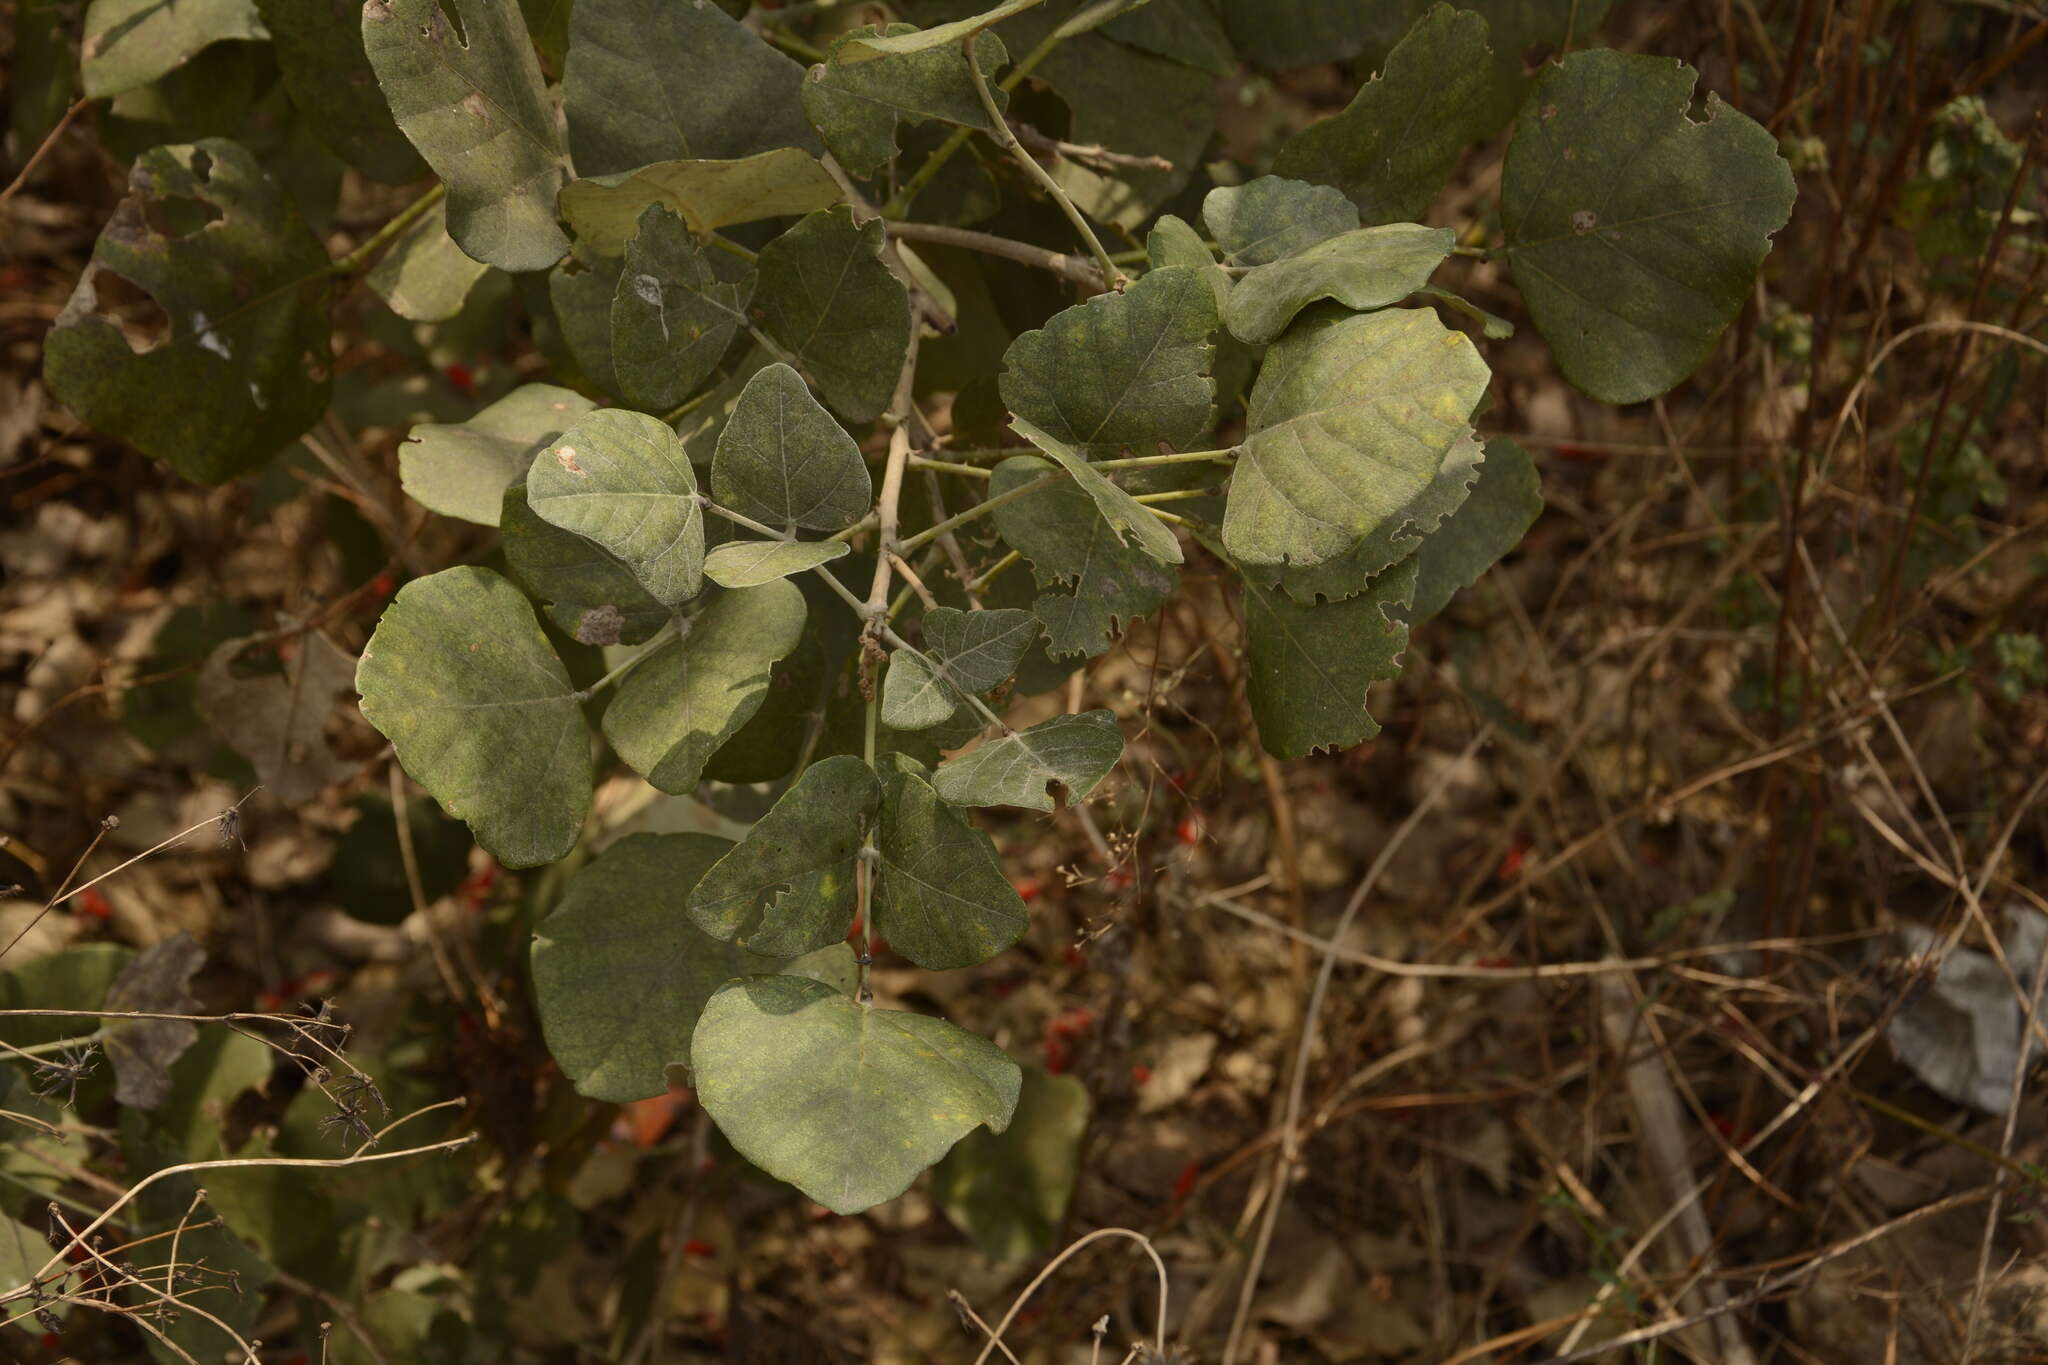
1021	768
460	679
783	460
679	706
845	1101
1364	269
1273	218
463	469
425	277
750	563
623	480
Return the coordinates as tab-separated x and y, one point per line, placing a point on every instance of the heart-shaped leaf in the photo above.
604	210
623	480
463	469
620	974
1364	269
1634	233
827	297
965	652
223	252
678	707
844	1101
1126	516
1091	582
1272	218
1121	371
471	99
782	458
1311	666
941	898
1020	768
674	312
589	593
788	887
750	563
857	104
1350	422
460	679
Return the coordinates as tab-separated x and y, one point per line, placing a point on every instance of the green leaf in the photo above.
901	40
320	58
462	469
826	295
675	710
783	460
244	286
1091	581
856	102
1634	233
845	1101
1397	537
581	290
1310	667
1504	504
623	480
1126	516
1122	371
1009	1192
1189	32
668	80
605	210
1020	768
1350	423
913	696
1273	218
69	979
129	43
460	679
472	101
1287	33
975	650
425	277
1393	147
674	313
1364	269
1133	102
788	887
941	898
590	595
620	973
750	563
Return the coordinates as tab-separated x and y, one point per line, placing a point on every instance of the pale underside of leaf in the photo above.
1073	753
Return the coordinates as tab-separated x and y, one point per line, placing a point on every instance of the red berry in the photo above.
1074	957
1141	1074
1029	890
1184	1183
697	1246
92	905
462	379
383	585
1190	830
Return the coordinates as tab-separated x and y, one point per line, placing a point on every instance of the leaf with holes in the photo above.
788	887
589	593
1634	233
620	974
675	311
1364	269
1020	768
1351	421
462	469
472	101
782	459
680	705
844	1101
1091	583
1310	667
826	295
623	481
460	679
243	286
858	103
941	898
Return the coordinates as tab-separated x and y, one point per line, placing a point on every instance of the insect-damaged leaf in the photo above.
320	58
589	593
826	295
243	285
1504	503
674	312
460	679
1121	371
425	277
856	101
129	43
620	974
788	887
1090	581
1019	768
1126	516
670	80
604	210
472	101
277	722
1393	147
1350	423
845	1101
623	480
678	707
941	898
1273	218
1362	269
462	469
1311	666
782	458
750	563
1634	233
